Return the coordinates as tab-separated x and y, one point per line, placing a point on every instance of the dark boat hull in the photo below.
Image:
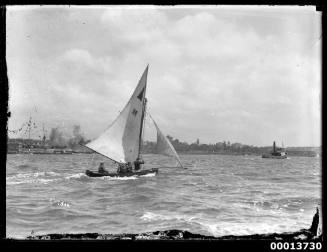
274	157
127	174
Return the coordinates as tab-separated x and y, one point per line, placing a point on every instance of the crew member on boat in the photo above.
125	167
101	168
129	167
137	163
121	168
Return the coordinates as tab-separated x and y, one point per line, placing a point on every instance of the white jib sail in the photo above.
120	141
164	146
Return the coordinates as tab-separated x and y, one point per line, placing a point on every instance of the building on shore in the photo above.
33	146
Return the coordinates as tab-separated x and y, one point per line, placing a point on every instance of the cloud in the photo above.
215	73
79	56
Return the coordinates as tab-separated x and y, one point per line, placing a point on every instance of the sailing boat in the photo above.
121	142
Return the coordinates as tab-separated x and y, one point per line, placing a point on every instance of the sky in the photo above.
248	74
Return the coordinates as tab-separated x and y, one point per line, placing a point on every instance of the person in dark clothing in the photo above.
121	168
137	164
101	168
129	167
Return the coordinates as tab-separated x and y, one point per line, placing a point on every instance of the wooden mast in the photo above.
143	114
274	147
142	127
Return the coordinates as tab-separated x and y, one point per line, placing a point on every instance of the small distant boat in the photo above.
276	153
121	142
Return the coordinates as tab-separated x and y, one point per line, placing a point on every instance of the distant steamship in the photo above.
277	153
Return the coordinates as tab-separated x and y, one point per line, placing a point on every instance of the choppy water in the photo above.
216	195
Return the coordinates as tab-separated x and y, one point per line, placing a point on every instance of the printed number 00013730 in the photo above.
295	246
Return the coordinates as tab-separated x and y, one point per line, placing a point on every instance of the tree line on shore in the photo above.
225	147
76	139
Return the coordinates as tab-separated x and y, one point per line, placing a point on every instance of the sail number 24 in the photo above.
295	246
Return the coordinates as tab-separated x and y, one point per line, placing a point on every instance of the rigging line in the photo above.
128	103
142	125
91	159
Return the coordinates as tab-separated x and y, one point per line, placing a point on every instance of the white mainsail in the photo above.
121	140
164	146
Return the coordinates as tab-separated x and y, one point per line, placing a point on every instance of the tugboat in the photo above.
277	153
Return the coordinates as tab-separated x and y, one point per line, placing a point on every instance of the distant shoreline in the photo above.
299	154
246	154
290	154
21	146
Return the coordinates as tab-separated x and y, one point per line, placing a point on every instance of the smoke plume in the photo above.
59	138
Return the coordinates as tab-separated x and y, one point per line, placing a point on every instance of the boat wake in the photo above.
42	178
79	176
37	177
148	175
31	181
118	178
124	178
